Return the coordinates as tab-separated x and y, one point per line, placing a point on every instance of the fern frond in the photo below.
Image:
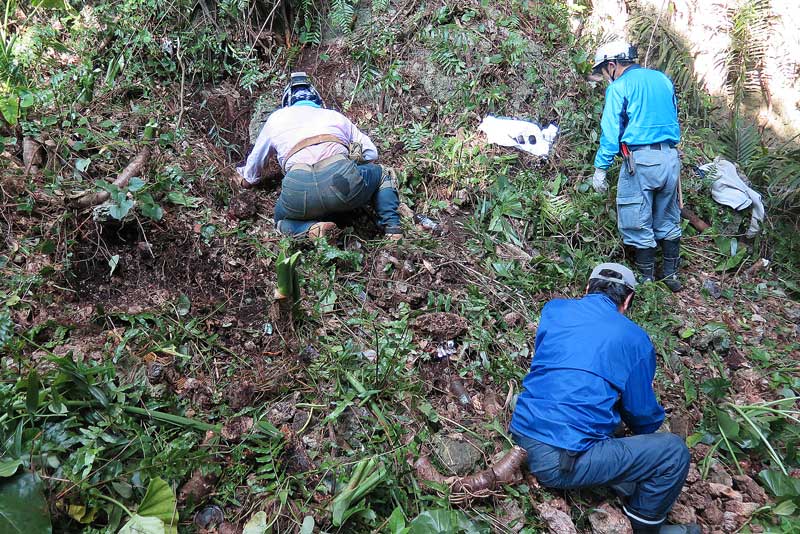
556	209
342	14
661	47
742	142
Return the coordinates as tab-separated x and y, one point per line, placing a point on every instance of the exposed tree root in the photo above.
699	224
134	168
479	485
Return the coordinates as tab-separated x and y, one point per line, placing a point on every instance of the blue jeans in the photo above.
649	470
333	186
647	202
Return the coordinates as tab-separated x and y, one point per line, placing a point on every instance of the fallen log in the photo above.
699	224
134	168
480	484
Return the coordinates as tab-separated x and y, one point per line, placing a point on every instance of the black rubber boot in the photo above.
646	263
672	259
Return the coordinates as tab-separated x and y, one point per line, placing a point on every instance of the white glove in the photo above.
599	181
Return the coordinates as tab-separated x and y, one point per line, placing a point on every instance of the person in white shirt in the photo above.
312	144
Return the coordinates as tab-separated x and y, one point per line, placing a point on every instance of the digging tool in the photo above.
627	157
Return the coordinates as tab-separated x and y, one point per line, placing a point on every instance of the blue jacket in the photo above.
640	109
592	366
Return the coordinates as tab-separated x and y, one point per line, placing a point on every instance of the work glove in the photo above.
599	181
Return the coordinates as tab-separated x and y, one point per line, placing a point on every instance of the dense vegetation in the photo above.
146	369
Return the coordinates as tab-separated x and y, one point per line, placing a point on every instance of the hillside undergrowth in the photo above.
141	342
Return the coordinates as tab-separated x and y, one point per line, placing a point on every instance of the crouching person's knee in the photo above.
676	453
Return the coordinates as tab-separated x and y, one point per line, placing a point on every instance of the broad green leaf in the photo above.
257	524
308	525
786	508
160	502
149	208
82	164
397	521
26	100
694	439
445	522
81	514
23	508
176	197
184	305
144	525
50	4
687	333
32	395
135	184
727	425
9	107
9	467
121	208
779	484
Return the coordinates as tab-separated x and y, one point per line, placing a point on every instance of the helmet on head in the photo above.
300	89
614	51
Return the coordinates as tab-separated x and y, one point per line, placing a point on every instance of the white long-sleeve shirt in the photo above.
288	126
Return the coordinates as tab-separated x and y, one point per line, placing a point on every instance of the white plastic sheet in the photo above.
730	190
524	135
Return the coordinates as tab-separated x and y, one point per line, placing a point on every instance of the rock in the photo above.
557	521
720	476
423	68
742	509
715	337
712	514
511	515
723	491
208	517
793	314
458	455
680	424
236	427
713	288
682	514
606	519
729	522
750	487
693	475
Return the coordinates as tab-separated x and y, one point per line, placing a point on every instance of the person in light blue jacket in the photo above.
640	122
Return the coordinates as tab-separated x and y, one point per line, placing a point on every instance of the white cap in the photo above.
626	276
614	51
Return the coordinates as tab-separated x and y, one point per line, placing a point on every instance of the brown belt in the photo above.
311	141
318	165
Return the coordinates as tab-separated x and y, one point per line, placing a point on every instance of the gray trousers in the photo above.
647	202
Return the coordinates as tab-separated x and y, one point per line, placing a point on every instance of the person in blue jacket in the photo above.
593	368
641	112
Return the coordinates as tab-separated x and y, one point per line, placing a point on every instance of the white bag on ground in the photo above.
524	135
730	190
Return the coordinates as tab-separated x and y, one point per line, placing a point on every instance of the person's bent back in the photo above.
593	368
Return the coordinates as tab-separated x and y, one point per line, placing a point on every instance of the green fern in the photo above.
342	15
555	210
742	142
743	64
448	61
379	6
